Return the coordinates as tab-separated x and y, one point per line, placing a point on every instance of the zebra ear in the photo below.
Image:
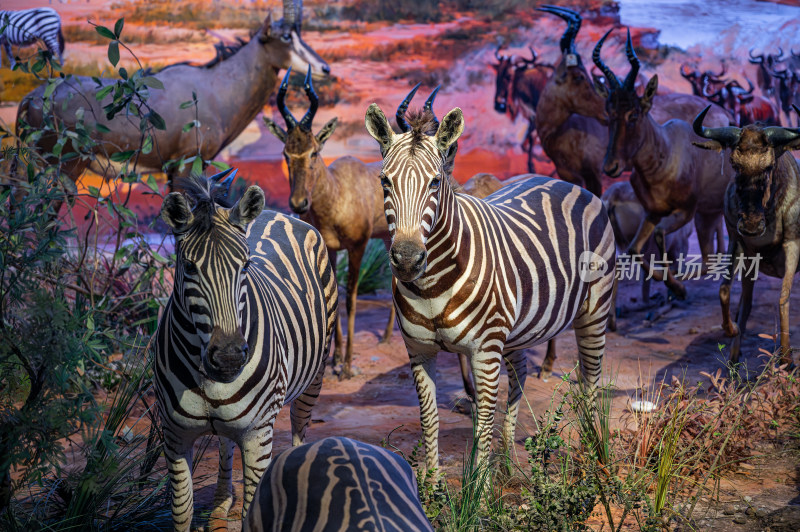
248	208
177	214
379	127
450	129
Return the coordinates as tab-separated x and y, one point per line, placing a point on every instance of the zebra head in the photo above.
412	180
212	260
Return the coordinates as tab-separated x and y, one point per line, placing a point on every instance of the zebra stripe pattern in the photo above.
246	330
29	25
337	484
488	278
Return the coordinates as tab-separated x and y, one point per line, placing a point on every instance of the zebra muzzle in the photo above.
226	355
408	260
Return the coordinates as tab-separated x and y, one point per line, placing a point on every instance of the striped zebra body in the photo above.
489	278
29	25
337	484
247	329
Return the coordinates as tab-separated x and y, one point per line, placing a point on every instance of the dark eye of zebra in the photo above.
385	183
189	267
246	266
435	183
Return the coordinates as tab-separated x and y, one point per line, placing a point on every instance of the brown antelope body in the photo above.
230	93
341	200
762	213
673	181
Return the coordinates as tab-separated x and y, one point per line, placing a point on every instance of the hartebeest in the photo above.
673	181
571	114
230	93
762	213
342	200
518	85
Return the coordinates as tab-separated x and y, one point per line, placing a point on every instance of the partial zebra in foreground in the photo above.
22	28
337	484
246	330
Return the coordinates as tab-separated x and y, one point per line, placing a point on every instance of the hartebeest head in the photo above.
506	68
576	90
301	147
625	109
754	155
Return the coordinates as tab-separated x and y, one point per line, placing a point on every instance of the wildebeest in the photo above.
762	213
518	85
788	91
766	64
230	93
673	182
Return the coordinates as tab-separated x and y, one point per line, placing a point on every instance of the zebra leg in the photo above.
178	454
549	359
517	368
300	412
590	329
354	257
486	374
256	456
337	341
223	495
423	367
466	377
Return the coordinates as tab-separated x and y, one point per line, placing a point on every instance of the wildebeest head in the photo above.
301	147
625	109
755	151
507	68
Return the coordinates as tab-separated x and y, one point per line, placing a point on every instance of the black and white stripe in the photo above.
246	330
337	484
488	278
21	28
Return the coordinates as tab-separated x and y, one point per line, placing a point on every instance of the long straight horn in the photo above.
573	20
401	110
429	105
313	98
290	120
726	136
611	78
630	79
289	13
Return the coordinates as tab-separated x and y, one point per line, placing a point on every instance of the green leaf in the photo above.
147	145
156	120
122	156
187	104
94	191
101	128
189	125
159	257
197	166
220	165
102	93
118	27
105	32
51	87
151	182
113	52
123	73
152	82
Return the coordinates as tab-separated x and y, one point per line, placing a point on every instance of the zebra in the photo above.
25	27
488	278
246	330
337	484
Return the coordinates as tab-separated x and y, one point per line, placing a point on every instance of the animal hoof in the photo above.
678	291
731	330
545	375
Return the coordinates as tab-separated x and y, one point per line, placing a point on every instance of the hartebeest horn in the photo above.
611	79
429	105
573	20
290	120
289	13
533	56
725	136
403	107
313	98
630	79
220	181
755	59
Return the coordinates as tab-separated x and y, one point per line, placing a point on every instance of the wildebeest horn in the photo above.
755	59
779	57
779	136
726	136
750	84
429	104
723	71
630	79
400	116
313	98
290	120
573	20
611	78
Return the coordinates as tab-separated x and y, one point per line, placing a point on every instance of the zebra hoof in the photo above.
545	374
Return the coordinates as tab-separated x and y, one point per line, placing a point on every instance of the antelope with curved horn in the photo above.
672	181
518	86
341	200
762	212
230	93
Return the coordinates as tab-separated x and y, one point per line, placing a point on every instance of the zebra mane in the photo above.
205	197
422	124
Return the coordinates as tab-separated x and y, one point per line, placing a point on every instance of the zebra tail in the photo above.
60	42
